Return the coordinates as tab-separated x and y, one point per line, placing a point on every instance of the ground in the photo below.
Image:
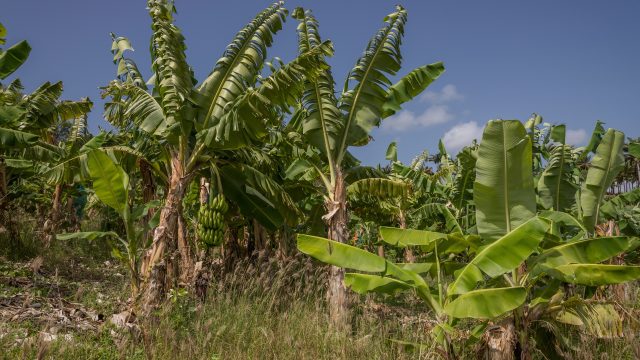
65	304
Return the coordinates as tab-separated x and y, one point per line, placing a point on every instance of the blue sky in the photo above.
571	61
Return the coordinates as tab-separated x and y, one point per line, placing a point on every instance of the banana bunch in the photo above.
211	221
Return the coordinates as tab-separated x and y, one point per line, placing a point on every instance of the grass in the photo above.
266	308
273	310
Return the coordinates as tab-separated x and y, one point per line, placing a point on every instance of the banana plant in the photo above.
406	193
512	271
604	167
13	57
332	125
557	185
624	210
111	185
36	130
504	197
231	109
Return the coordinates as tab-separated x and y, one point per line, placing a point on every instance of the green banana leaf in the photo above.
14	139
379	188
503	191
410	86
255	204
605	166
418	268
392	152
350	257
556	189
594	141
88	235
634	149
110	181
501	256
562	218
559	133
364	283
595	274
13	58
486	303
590	251
409	237
341	255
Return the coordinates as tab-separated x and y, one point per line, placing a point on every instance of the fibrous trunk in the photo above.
148	186
500	341
51	228
161	265
337	231
260	235
5	216
409	257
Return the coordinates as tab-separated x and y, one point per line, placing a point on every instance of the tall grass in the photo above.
269	308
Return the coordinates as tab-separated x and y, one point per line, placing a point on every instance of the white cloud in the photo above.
405	119
462	135
448	93
576	137
438	112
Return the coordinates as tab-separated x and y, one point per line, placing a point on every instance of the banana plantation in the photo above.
227	217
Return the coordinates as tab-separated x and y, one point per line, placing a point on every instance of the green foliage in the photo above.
503	191
486	303
13	57
502	255
110	182
605	166
556	188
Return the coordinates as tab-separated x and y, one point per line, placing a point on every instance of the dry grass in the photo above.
265	308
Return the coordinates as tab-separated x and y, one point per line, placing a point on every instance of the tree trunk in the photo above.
160	266
72	219
251	239
148	189
3	183
186	254
337	221
284	239
500	341
4	193
259	235
380	250
56	205
231	248
6	218
51	227
409	257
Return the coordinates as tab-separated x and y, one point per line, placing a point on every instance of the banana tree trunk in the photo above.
409	257
51	227
231	248
260	236
337	221
5	214
161	265
186	254
148	186
56	205
3	183
500	341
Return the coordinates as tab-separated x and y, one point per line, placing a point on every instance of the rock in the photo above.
121	320
48	337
